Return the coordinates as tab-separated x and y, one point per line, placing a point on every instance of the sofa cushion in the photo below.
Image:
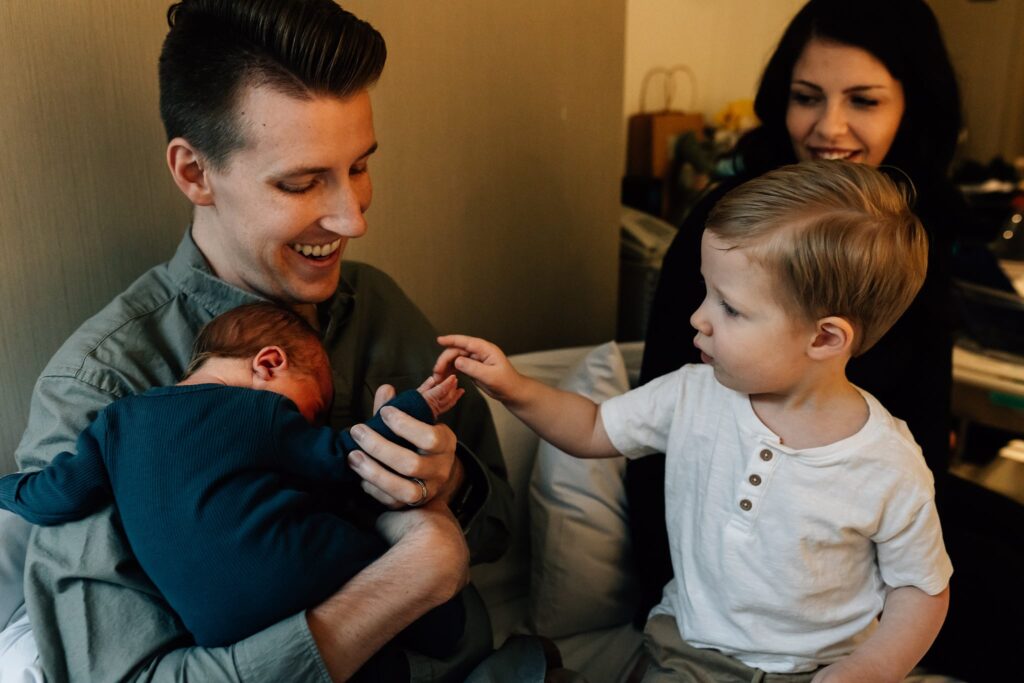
581	576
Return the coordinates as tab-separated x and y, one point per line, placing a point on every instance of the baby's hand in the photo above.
482	361
441	395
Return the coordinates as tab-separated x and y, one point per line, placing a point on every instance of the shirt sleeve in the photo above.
107	621
909	543
638	422
69	488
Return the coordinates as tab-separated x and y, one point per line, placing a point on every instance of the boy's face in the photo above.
300	184
753	343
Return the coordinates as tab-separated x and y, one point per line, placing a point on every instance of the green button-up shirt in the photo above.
94	613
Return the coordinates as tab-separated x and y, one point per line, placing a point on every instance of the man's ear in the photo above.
268	363
187	170
833	336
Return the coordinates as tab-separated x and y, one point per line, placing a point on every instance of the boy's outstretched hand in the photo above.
481	361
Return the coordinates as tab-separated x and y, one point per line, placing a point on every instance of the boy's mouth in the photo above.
316	251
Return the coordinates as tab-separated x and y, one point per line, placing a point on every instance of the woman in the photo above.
869	81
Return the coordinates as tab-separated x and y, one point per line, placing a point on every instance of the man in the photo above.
270	132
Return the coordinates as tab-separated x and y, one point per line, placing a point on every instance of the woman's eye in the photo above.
865	102
803	98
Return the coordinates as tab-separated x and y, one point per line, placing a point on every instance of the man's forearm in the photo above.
425	568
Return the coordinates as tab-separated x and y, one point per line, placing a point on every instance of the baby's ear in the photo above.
833	336
268	362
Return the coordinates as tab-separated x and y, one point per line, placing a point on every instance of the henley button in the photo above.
755	480
766	455
745	505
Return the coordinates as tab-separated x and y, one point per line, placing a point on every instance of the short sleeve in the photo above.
638	422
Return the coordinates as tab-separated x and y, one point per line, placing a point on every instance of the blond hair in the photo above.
839	238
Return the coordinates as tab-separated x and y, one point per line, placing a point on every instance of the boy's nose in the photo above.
699	321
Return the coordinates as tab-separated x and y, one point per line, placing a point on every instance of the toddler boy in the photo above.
239	509
798	509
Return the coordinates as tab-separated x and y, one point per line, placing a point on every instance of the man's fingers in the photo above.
384	393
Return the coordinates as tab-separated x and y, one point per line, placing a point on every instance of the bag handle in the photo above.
669	84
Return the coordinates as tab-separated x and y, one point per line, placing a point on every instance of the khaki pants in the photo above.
671	660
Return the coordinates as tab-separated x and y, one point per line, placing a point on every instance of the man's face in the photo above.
285	205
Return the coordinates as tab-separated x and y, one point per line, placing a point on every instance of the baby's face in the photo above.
311	392
754	344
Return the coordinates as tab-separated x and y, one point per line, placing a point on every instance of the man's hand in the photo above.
389	473
483	362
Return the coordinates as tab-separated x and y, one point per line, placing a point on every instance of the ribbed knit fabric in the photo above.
220	491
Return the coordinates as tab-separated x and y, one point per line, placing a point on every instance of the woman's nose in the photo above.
832	123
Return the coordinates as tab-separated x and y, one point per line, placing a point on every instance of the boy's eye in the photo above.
729	310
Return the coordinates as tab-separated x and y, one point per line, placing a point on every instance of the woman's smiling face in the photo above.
843	104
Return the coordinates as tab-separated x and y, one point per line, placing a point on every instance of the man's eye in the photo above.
358	170
291	188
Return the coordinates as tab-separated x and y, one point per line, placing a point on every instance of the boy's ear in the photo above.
833	336
187	170
269	362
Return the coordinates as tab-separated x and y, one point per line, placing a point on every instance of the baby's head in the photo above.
836	239
281	352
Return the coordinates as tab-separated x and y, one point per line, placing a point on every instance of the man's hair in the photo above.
838	238
217	48
243	331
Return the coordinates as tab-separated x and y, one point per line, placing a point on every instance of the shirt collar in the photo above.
192	273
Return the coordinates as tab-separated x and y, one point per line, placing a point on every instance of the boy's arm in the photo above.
910	621
568	421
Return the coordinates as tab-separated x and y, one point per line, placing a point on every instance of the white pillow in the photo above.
581	572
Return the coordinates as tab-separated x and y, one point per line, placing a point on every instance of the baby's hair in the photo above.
838	237
243	331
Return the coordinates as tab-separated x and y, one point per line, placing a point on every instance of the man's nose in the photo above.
345	214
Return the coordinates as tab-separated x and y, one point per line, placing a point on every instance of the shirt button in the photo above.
745	505
755	480
766	455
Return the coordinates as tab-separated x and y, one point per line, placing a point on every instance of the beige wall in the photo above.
496	184
725	42
986	44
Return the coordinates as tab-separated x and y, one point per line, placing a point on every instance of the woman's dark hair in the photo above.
904	36
215	48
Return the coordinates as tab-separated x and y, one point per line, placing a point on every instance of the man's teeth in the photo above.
317	249
832	156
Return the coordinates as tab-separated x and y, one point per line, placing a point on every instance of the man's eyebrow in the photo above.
314	170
